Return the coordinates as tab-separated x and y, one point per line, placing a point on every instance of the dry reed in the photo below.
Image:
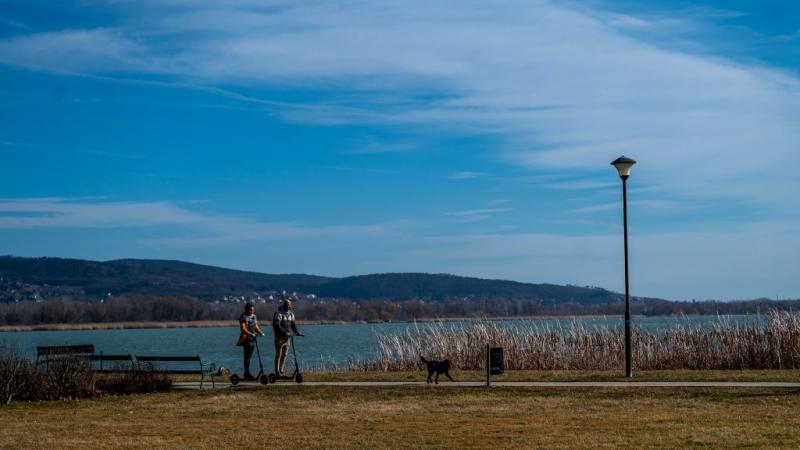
770	342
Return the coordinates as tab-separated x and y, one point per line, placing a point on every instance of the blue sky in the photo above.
465	137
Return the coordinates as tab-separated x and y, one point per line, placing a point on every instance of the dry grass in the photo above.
139	324
117	325
567	375
328	417
771	342
544	375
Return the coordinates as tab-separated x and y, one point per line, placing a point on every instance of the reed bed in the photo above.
772	341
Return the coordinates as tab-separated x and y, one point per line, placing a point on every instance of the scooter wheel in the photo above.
272	378
264	379
234	379
298	378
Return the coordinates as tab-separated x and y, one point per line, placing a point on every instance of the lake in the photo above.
323	345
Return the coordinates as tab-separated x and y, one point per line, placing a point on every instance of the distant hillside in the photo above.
146	277
401	286
43	290
49	277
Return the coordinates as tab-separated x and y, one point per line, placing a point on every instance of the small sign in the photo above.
496	363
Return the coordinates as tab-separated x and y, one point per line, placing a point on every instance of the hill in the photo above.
438	287
81	278
77	291
50	277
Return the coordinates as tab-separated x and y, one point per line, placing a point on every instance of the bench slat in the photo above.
64	349
149	358
180	371
112	357
204	370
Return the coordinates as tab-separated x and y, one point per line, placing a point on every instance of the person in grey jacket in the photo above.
284	328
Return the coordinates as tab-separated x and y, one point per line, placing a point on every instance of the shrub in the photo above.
138	382
15	375
68	377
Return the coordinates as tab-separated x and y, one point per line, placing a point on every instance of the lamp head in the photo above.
623	165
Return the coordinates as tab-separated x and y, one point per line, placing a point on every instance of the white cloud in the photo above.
81	51
763	259
563	88
197	229
760	259
583	185
662	206
466	175
477	215
58	212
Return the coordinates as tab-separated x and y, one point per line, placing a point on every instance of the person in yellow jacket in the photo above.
248	325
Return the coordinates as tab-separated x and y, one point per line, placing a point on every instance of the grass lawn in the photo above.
334	417
553	375
568	375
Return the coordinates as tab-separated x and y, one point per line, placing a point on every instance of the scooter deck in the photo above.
261	378
296	377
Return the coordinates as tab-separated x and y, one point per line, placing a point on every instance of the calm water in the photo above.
323	344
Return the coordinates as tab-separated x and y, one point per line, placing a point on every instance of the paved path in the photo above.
532	384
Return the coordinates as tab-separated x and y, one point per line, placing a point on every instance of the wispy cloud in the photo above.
373	145
205	229
700	264
36	146
68	213
477	215
13	23
564	88
369	170
17	144
652	205
100	50
467	175
582	185
559	89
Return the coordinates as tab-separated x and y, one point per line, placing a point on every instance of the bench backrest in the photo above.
162	358
102	357
64	350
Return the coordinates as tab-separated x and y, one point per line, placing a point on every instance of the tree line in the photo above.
182	309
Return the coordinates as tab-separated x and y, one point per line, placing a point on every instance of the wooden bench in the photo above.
162	364
49	353
113	368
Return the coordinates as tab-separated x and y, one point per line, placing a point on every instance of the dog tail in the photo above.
423	359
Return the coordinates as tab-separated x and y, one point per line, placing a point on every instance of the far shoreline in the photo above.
232	323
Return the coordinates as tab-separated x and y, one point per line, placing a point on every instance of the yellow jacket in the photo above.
249	328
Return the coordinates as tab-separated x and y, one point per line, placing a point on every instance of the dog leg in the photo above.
448	376
437	377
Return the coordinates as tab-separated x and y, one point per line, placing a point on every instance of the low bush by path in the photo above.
68	378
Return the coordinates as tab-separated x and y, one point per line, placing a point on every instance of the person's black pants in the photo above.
248	347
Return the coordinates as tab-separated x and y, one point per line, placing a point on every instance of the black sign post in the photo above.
495	365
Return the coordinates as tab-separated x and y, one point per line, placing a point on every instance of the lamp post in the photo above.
623	165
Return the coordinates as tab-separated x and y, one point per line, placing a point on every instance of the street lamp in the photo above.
623	165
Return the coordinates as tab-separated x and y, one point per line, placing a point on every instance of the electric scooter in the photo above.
296	376
261	376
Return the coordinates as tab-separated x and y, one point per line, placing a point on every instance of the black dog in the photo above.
438	367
